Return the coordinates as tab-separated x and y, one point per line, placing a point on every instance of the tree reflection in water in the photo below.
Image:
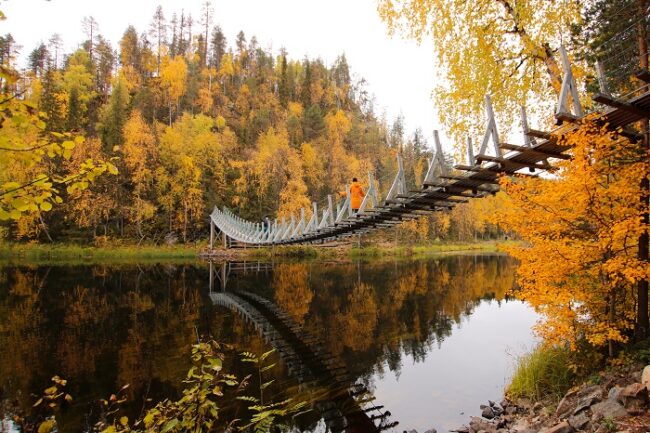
103	326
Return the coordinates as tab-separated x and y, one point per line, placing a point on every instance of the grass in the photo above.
541	374
71	253
288	251
421	250
62	253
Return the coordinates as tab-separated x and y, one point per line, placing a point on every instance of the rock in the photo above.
482	406
504	403
580	421
613	393
563	427
521	425
634	398
431	430
497	410
478	424
511	410
566	406
461	429
537	407
590	391
645	376
585	403
607	409
491	403
487	413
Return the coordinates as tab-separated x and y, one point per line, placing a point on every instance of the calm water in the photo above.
426	340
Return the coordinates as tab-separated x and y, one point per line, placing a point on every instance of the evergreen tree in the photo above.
39	59
218	47
114	116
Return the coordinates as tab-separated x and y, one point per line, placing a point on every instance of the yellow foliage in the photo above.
506	46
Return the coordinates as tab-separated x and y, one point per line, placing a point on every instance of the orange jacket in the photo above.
356	195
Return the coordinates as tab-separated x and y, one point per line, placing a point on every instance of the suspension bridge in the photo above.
336	395
442	188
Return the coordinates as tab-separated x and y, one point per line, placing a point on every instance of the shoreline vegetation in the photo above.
37	253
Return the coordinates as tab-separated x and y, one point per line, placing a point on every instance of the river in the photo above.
427	340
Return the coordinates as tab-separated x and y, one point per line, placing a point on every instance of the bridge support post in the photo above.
211	279
211	234
224	239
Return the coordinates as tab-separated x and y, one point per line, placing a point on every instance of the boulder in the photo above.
585	403
590	391
478	424
579	421
431	430
613	393
563	427
607	409
461	429
645	376
634	398
488	413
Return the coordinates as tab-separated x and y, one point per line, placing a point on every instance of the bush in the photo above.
543	373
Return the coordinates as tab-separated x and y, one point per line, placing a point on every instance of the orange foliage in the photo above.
580	266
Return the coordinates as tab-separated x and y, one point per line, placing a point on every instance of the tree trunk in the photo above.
47	232
184	223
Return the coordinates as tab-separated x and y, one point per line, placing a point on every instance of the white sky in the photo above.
399	72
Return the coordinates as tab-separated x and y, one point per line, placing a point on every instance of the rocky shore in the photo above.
618	401
614	401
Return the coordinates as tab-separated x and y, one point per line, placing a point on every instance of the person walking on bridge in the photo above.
356	195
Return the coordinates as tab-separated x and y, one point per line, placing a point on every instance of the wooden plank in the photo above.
622	105
538	134
532	151
505	161
452	194
449	186
565	117
463	167
430	195
434	200
467	179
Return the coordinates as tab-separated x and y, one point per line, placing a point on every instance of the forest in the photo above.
186	120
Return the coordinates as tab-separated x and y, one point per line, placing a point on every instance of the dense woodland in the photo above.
191	120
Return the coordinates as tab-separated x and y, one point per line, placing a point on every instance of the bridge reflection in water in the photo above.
344	404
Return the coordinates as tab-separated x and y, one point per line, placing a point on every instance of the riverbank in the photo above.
615	399
352	251
71	253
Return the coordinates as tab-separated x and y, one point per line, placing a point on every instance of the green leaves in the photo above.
169	425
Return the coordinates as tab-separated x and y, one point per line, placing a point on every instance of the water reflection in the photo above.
341	325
